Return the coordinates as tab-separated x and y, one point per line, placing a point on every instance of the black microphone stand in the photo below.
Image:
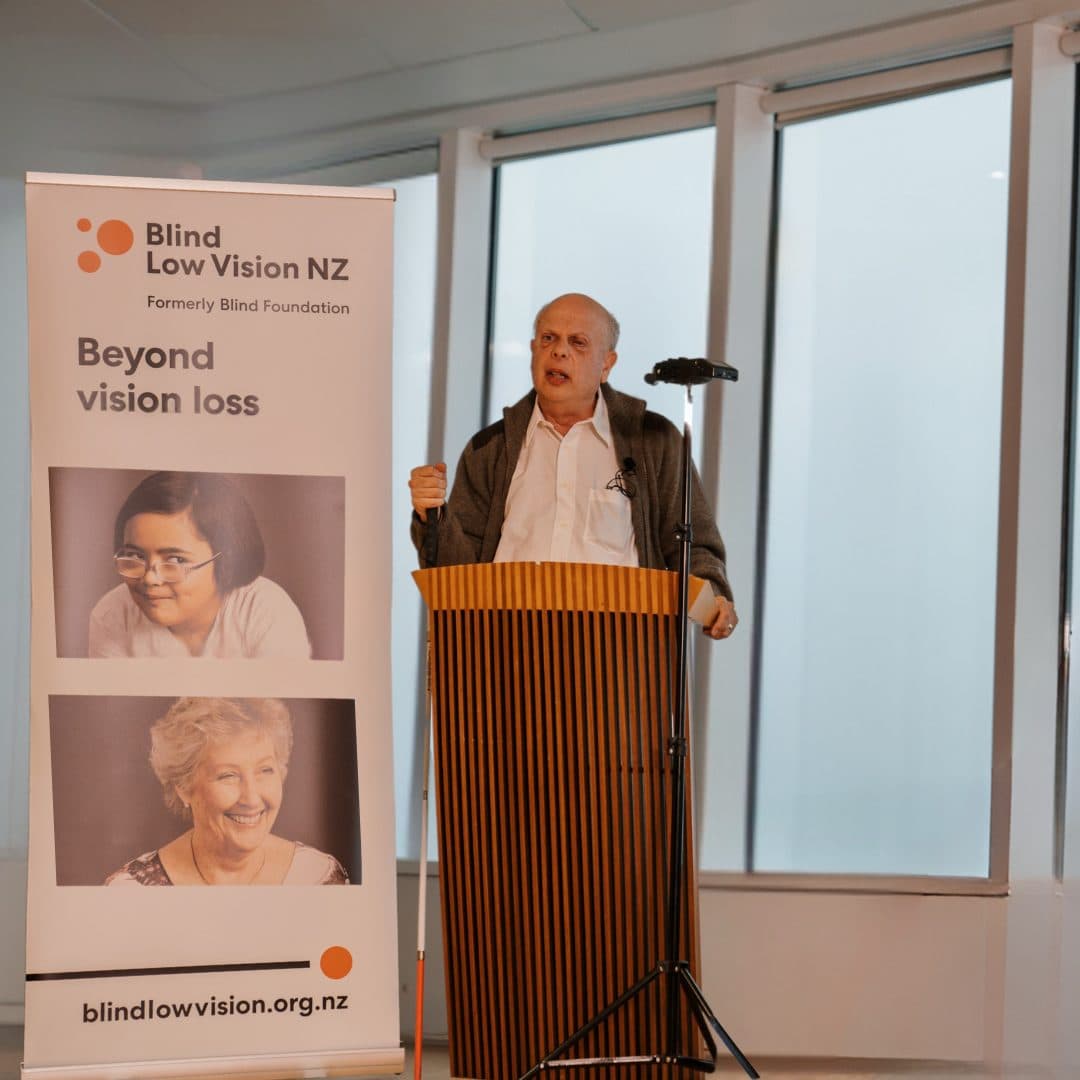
672	971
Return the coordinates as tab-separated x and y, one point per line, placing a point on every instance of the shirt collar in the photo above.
600	421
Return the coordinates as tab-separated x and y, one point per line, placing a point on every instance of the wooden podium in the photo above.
552	688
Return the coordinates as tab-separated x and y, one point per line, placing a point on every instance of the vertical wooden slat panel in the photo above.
463	834
485	780
545	884
578	994
439	678
520	808
552	693
602	824
542	879
443	689
450	824
626	943
634	676
593	911
506	856
652	884
570	838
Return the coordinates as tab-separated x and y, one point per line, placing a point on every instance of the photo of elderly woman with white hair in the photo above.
222	765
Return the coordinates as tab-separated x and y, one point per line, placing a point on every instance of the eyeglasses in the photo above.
133	567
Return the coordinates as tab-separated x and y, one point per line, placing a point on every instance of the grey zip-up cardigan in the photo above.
470	525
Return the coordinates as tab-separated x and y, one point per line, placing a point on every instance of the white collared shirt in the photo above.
559	507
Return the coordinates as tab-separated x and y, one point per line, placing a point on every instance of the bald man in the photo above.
574	472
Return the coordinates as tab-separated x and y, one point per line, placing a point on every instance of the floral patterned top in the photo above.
309	867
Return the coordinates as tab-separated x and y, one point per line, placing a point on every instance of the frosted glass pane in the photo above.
414	314
875	726
628	224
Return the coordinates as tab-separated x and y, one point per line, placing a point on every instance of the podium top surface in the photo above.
554	586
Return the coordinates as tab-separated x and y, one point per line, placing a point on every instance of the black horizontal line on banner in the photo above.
187	969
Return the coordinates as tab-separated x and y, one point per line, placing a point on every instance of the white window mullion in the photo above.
1033	431
461	295
730	445
1024	825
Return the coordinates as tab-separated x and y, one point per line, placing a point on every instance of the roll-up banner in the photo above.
212	869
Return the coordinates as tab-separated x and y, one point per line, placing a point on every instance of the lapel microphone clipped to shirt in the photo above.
623	480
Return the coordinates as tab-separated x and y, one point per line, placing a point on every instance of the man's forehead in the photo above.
573	314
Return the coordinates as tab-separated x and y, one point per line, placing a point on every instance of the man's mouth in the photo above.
247	819
555	375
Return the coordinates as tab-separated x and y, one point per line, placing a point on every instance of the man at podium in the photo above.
574	472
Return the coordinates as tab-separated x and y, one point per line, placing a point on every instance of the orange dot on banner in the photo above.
336	962
89	261
115	237
83	224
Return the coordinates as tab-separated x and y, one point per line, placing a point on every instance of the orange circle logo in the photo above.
336	962
114	237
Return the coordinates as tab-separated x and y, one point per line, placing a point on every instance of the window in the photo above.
629	224
874	725
414	297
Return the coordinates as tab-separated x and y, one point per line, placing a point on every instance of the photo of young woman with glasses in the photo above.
190	555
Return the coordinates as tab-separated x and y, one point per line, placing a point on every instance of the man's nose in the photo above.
152	569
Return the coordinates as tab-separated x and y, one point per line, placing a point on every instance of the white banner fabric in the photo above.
210	670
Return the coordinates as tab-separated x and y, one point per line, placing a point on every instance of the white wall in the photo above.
989	980
14	597
14	536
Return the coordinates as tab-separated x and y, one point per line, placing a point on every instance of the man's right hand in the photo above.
427	484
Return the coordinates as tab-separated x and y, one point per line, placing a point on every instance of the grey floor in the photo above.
437	1066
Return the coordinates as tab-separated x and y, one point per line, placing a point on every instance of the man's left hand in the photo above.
724	620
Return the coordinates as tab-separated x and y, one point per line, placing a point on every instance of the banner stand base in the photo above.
258	1067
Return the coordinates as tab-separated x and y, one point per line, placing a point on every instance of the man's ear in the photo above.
609	363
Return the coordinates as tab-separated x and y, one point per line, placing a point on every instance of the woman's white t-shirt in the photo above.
255	620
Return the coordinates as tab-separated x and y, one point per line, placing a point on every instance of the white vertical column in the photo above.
461	295
731	462
1030	556
1033	432
459	342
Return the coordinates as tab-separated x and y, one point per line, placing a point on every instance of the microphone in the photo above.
686	371
623	480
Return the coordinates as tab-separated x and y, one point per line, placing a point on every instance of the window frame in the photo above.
745	117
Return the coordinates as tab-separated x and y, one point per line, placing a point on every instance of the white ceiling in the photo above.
205	52
206	79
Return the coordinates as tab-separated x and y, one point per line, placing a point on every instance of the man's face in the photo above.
570	358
